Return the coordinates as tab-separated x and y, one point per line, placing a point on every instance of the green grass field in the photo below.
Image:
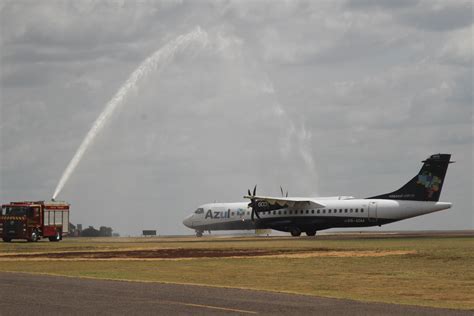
439	271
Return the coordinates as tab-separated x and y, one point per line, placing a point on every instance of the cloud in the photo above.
383	4
439	15
426	14
458	49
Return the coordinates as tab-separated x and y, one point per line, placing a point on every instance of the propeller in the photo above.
283	195
252	203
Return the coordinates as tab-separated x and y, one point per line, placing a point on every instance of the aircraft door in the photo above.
372	211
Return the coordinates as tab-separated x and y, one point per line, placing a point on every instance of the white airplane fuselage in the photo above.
336	213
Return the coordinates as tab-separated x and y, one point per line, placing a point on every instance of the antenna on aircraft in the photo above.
283	195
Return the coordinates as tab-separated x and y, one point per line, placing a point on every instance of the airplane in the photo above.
295	215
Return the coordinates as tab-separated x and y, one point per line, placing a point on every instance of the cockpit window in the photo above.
199	211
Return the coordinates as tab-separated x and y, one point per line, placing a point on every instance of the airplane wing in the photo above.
286	201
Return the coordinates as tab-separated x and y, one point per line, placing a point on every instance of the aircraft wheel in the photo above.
7	239
198	233
295	232
311	233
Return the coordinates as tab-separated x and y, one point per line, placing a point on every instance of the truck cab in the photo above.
34	220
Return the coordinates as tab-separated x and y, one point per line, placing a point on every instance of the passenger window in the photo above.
307	211
312	211
345	211
362	210
340	210
324	211
351	210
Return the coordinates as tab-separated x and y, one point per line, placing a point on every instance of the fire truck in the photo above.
34	220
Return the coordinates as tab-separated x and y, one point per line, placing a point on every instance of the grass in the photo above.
439	274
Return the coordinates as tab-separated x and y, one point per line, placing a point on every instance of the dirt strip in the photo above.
186	254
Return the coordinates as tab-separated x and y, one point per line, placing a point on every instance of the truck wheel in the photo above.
57	237
34	236
7	239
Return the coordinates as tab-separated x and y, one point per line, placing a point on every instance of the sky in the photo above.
321	97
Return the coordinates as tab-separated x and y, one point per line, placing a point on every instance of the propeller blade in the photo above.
258	216
249	192
254	190
281	189
251	216
286	193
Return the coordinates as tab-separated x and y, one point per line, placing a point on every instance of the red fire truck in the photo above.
34	220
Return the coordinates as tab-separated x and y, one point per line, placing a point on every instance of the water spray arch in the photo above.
158	59
295	140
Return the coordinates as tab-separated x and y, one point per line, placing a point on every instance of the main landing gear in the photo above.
295	232
199	233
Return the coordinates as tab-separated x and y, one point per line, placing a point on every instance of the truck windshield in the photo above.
16	210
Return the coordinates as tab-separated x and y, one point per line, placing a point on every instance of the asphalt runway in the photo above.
25	294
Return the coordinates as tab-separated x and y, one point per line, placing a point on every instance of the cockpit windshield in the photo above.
199	211
16	210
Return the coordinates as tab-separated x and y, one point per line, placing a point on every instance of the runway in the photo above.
22	294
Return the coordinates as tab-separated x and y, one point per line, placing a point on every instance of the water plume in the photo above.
154	62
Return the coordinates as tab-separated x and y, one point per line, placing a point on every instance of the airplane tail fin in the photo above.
427	184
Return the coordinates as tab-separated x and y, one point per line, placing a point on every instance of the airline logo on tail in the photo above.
430	182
